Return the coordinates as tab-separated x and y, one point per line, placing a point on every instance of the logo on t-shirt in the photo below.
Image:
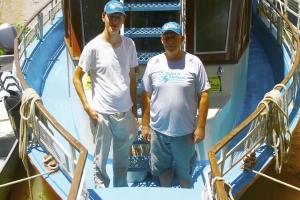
171	77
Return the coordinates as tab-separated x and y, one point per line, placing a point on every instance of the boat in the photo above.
8	151
8	137
250	50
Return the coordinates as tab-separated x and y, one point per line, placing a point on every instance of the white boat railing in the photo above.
70	162
291	8
253	132
183	20
36	25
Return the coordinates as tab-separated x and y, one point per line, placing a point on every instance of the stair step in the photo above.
143	32
152	6
145	56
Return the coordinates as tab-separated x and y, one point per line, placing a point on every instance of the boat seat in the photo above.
216	103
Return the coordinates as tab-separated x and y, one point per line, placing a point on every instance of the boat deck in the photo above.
57	101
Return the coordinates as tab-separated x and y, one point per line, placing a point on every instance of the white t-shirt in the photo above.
174	88
109	69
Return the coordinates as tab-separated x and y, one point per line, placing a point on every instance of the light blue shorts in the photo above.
173	153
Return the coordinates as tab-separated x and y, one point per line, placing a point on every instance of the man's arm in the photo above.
146	115
77	81
132	75
203	103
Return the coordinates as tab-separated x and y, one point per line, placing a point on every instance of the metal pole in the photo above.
279	30
40	25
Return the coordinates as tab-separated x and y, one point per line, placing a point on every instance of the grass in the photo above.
2	52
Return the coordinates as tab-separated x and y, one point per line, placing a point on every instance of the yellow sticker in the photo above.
215	83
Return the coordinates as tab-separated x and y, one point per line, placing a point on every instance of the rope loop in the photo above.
219	178
27	113
278	124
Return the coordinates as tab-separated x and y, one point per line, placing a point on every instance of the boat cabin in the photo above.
216	31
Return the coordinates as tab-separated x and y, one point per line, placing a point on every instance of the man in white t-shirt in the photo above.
110	59
176	86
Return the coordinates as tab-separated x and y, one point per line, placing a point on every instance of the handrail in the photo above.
286	8
44	112
216	172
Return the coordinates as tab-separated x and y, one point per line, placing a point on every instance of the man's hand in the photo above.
92	114
146	133
199	135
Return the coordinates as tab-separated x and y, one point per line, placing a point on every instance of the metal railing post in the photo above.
25	45
279	30
183	20
40	25
51	13
285	6
73	158
298	14
270	14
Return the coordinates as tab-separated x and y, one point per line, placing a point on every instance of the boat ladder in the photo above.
147	18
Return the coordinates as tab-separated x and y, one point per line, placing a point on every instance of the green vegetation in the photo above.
19	28
2	52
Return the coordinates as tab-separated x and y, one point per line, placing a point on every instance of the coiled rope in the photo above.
27	112
278	124
27	123
219	178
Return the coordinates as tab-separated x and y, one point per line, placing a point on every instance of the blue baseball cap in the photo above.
171	26
114	6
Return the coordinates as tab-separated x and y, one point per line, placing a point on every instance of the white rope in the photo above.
27	113
278	126
273	179
219	178
24	179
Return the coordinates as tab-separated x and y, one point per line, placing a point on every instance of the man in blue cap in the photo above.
175	84
110	59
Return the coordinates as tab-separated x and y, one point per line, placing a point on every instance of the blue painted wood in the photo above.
152	6
145	56
143	32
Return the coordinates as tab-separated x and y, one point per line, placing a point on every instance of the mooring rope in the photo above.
273	179
25	179
278	124
219	178
27	112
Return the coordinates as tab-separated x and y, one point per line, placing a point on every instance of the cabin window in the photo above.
211	20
